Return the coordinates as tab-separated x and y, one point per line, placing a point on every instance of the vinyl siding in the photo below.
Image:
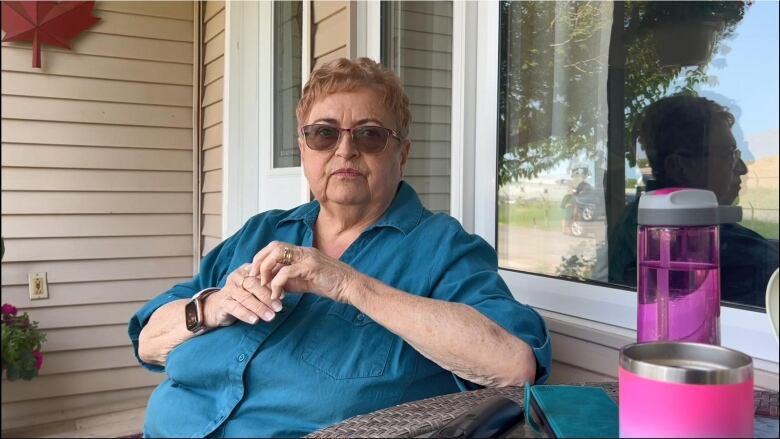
212	89
96	191
424	50
330	31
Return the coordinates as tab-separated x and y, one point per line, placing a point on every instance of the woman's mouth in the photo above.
346	172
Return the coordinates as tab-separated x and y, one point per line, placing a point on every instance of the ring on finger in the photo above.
287	255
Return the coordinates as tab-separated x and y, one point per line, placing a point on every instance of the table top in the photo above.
418	418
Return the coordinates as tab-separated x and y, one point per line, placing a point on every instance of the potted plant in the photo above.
686	32
21	342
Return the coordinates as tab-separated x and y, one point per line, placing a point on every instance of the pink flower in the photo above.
9	309
38	360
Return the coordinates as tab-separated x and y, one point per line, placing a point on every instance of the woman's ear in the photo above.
405	154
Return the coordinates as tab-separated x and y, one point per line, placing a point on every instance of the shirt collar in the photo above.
403	214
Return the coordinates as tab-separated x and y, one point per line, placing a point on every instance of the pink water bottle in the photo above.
678	265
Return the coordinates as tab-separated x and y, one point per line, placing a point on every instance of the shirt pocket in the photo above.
347	344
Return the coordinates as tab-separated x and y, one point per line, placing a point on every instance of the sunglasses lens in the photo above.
370	139
320	137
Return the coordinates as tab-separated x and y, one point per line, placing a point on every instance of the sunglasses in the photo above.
367	139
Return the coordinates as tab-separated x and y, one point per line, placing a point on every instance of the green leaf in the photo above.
12	373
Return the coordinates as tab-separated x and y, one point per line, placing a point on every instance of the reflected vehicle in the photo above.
586	205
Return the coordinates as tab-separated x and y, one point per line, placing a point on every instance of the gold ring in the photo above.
287	256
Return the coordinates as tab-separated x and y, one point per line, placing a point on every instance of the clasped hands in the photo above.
253	292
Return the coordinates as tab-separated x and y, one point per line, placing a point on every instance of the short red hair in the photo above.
346	75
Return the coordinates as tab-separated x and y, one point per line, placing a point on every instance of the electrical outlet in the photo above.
38	286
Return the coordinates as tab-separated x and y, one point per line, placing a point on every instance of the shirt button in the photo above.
241	358
360	317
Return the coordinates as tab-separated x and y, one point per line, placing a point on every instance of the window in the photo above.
287	81
417	45
601	101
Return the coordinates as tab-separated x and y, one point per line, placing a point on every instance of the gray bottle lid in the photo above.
684	207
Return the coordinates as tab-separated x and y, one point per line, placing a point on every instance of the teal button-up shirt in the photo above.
320	362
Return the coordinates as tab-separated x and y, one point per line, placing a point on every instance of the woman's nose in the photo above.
345	148
741	167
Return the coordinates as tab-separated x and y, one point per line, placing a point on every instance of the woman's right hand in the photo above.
242	298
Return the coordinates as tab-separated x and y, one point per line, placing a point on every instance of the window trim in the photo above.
747	331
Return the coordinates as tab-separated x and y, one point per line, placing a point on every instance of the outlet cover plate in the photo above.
39	288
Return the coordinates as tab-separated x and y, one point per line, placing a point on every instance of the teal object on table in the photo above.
571	411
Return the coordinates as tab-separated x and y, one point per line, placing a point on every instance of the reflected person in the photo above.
689	143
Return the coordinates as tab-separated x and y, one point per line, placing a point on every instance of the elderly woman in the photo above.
357	301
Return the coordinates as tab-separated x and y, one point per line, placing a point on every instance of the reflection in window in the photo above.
603	101
417	45
287	82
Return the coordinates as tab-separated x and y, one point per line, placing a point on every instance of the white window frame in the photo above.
248	112
592	305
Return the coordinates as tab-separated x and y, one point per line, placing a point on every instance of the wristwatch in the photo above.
193	311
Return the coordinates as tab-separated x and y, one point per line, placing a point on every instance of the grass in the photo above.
546	215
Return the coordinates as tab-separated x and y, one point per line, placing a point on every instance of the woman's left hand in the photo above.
309	270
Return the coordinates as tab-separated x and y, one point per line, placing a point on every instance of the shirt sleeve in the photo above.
213	267
467	272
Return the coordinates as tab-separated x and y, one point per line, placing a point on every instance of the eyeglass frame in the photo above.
392	132
735	155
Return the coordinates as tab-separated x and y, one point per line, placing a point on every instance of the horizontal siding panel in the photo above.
15	273
88	359
324	9
58	340
213	92
214	26
90	89
430	113
330	34
88	180
63	133
113	247
212	203
59	226
212	137
212	159
43	411
88	66
430	185
94	202
424	59
118	23
415	21
212	114
436	202
116	46
212	225
214	70
209	243
443	8
79	383
340	53
212	9
212	181
562	373
427	78
430	131
428	95
214	48
62	110
83	293
420	167
427	149
77	316
426	41
169	9
89	157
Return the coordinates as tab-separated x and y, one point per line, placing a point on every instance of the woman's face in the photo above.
344	175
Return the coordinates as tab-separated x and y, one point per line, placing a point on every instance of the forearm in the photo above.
164	331
454	336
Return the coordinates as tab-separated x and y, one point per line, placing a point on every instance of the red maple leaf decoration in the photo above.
45	22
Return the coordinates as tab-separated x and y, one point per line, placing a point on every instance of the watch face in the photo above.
191	316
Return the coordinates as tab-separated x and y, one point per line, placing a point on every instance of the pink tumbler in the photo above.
678	265
673	389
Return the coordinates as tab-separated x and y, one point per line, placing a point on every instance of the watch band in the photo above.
193	311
